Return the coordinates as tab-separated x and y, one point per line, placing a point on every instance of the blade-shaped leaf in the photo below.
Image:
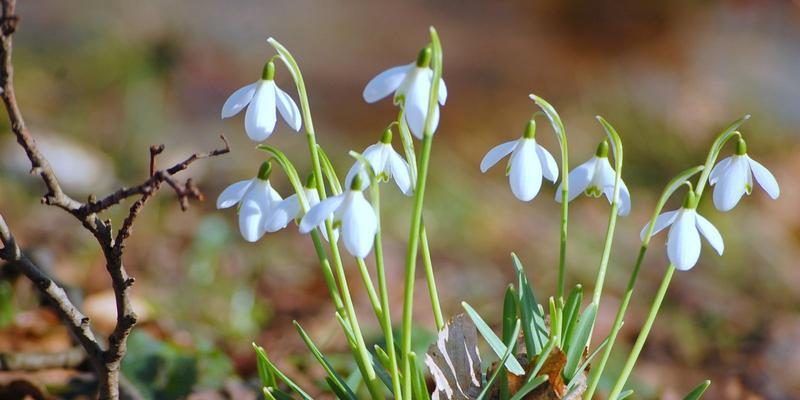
529	387
530	312
578	340
262	357
494	342
698	391
335	378
509	351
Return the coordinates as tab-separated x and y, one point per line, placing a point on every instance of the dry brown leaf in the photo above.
454	361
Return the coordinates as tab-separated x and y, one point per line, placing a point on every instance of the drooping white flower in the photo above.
595	178
683	239
258	211
529	162
353	213
733	178
262	98
411	82
386	163
291	209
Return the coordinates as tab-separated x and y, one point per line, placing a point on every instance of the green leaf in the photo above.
494	342
509	350
262	357
330	172
586	362
530	312
698	391
571	309
418	386
551	344
289	169
552	115
509	312
529	387
272	393
625	394
578	341
335	378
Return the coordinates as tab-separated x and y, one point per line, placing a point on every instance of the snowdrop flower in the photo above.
257	205
683	239
353	213
412	83
733	178
386	163
261	99
290	208
595	178
528	163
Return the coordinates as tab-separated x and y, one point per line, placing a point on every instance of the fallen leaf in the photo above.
454	361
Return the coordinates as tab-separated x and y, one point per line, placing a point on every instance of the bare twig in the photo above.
106	362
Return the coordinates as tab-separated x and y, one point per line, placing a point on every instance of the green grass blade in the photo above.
571	310
335	378
698	391
625	394
494	342
532	317
262	356
529	387
418	386
578	340
506	356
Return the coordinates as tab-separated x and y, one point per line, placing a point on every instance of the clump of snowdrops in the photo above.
543	350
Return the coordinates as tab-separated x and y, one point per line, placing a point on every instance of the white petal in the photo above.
549	166
255	206
282	213
288	109
442	92
525	175
317	214
359	225
662	221
376	156
400	172
606	175
496	154
718	170
683	242
260	118
238	100
416	106
765	178
711	233
579	180
624	199
385	83
732	184
233	194
357	167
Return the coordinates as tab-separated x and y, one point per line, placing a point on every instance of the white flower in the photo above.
733	178
263	97
258	211
355	215
386	163
290	208
683	239
413	83
528	163
595	178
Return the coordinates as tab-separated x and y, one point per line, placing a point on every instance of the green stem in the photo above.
416	216
371	293
362	354
386	321
327	273
430	278
640	340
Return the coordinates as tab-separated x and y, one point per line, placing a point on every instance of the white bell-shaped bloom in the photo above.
290	208
683	239
258	211
353	213
529	162
411	82
733	178
262	98
595	178
386	163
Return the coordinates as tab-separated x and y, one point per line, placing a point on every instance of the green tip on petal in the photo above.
424	57
530	130
741	147
386	138
311	181
691	200
602	149
356	184
265	170
268	73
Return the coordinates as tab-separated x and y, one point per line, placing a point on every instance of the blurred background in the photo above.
98	82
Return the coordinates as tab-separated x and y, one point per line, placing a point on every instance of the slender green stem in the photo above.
362	354
430	278
416	216
327	273
640	340
371	293
386	321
